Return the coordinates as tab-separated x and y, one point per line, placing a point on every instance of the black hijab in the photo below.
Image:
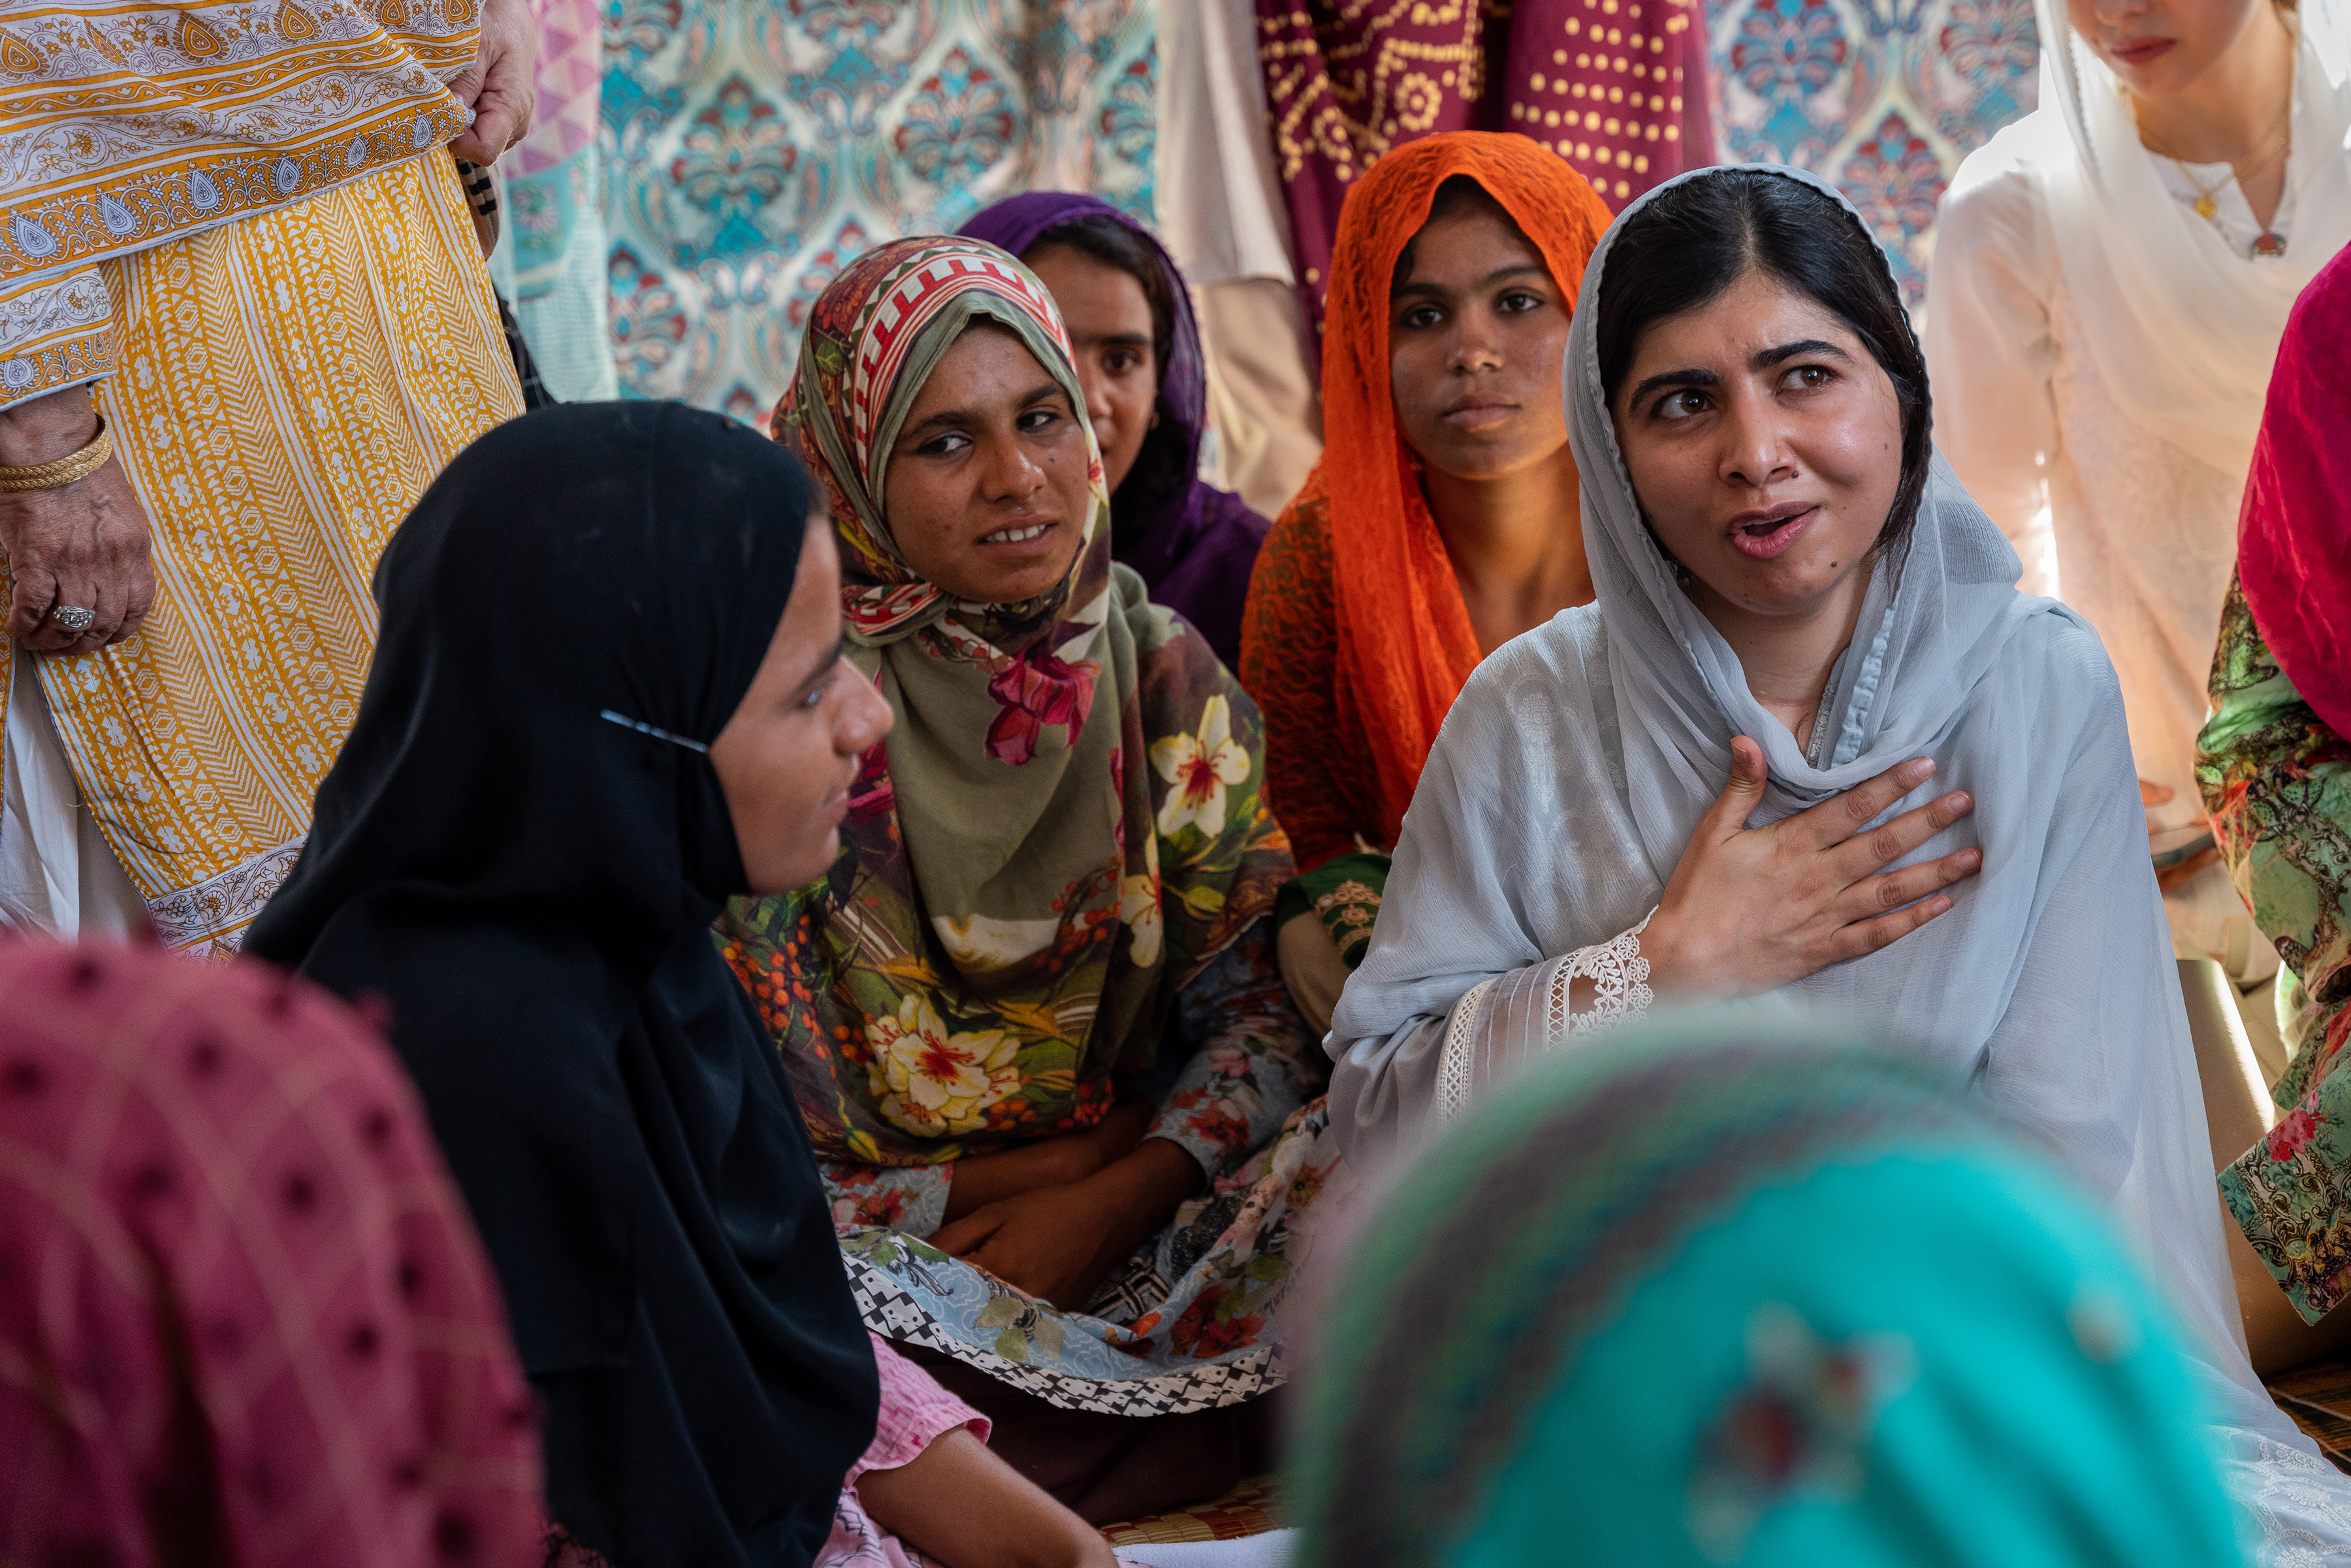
520	849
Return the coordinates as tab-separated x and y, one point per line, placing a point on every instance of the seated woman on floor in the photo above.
1801	618
1137	350
2274	763
1441	522
608	697
1622	1318
1032	1013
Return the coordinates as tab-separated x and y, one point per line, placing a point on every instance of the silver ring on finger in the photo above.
73	617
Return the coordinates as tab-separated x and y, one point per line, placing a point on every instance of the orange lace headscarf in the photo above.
1404	642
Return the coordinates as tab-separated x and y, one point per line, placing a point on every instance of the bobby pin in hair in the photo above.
642	727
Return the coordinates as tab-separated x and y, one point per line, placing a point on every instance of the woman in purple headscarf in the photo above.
1138	352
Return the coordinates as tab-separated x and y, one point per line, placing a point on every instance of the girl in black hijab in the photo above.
608	695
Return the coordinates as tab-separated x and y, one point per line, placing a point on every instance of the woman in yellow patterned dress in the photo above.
244	321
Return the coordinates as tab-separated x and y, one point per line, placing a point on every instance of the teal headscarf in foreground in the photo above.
1774	1303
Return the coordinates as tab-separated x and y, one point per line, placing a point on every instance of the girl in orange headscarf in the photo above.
1442	520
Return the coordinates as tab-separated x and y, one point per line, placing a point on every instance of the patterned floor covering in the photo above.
1248	1510
2319	1398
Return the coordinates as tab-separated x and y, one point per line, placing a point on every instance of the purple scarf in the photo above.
1193	549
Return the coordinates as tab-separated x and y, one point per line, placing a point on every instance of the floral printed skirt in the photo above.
2277	781
1189	1324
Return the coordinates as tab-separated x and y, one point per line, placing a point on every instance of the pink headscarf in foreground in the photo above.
2293	537
244	1318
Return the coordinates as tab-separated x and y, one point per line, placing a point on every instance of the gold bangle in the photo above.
65	471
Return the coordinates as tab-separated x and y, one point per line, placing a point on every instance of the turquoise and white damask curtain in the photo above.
1881	97
749	148
753	147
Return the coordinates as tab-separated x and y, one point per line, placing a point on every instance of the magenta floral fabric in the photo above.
1038	689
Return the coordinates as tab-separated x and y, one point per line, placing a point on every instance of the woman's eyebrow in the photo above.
1763	361
1785	352
824	666
1689	378
945	419
1439	291
968	418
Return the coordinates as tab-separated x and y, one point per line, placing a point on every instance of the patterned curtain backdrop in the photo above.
754	147
549	263
750	148
1883	97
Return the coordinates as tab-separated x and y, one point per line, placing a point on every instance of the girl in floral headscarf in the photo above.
1031	1014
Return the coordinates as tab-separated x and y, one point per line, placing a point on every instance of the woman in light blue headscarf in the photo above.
1807	701
1774	1303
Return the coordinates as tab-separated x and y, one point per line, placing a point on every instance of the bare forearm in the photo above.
963	1506
1057	1242
982	1179
1145	1189
47	428
76	542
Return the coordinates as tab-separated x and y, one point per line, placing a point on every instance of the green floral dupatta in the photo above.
1064	827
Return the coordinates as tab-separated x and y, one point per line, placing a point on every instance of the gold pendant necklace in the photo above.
2269	242
2205	207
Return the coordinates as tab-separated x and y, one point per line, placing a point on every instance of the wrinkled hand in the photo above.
1057	1242
1749	910
2171	876
501	86
86	545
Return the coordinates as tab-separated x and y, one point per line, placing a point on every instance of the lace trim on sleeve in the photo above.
1619	976
1456	1069
1529	1011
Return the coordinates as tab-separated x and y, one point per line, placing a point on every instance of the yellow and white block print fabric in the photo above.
125	123
286	387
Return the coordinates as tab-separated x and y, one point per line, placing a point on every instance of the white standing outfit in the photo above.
1579	759
57	877
2101	352
1227	223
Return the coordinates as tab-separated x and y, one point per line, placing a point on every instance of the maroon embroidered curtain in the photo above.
1617	88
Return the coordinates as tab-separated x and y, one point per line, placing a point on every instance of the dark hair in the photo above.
1163	467
1697	239
1459	193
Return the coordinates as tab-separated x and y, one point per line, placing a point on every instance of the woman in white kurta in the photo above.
2101	319
1798	607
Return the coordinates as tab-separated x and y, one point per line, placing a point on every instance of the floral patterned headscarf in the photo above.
1064	827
